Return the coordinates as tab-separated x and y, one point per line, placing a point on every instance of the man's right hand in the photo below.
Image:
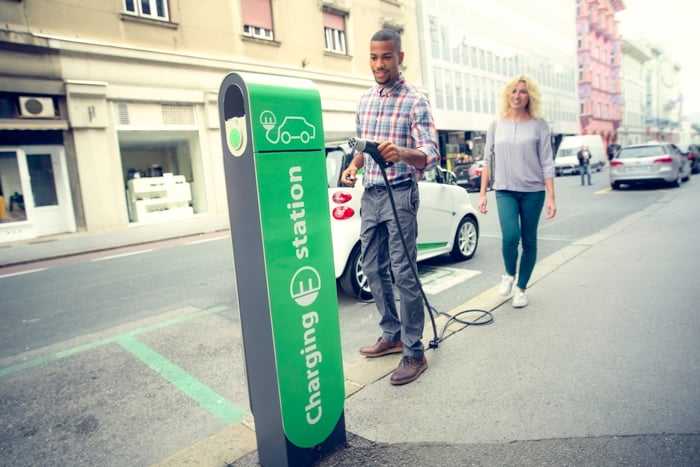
349	176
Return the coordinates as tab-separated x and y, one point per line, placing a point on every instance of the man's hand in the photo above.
349	176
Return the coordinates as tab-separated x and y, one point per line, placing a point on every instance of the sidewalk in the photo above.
602	368
82	242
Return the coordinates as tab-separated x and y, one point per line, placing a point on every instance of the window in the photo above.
445	42
154	9
257	19
42	179
434	38
449	91
334	30
439	89
467	93
459	98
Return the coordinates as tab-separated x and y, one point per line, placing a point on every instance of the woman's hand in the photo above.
551	208
482	203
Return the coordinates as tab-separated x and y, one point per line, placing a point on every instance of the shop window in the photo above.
153	9
334	31
11	197
257	19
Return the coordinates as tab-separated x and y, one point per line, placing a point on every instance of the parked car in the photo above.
469	175
650	162
447	221
692	152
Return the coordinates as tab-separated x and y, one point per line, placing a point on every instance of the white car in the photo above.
447	221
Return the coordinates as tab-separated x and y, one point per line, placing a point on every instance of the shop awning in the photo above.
38	124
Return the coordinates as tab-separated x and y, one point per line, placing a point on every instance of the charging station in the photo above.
274	163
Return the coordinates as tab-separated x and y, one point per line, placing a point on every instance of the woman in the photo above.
524	180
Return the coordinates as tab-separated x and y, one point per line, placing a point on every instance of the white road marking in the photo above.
28	271
436	280
195	242
131	253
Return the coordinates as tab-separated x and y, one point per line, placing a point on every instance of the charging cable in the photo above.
372	148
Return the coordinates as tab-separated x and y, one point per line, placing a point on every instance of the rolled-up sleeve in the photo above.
424	133
545	150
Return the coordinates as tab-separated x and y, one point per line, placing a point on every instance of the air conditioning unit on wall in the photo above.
36	107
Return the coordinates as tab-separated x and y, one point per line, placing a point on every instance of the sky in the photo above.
672	24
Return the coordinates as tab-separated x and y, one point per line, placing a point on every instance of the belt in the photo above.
397	186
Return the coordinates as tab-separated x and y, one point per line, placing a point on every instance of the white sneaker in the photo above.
506	285
519	299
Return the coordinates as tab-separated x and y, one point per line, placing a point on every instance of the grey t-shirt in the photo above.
523	154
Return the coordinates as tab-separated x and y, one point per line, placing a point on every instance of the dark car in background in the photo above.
469	175
613	149
692	152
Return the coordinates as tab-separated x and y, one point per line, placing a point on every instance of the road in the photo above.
128	356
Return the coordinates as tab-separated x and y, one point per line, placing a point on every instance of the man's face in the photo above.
384	60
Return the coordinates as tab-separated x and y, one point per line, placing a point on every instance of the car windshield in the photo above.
641	151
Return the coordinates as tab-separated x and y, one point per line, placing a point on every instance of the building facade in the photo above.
599	55
108	109
632	128
664	109
471	49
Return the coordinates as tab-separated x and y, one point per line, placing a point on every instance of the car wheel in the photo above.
466	239
677	182
353	280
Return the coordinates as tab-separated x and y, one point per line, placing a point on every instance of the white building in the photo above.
663	98
470	49
633	128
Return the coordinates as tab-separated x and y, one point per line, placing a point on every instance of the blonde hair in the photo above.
534	105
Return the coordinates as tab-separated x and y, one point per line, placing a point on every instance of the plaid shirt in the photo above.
400	114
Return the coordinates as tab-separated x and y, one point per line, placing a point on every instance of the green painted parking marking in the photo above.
206	397
43	360
199	392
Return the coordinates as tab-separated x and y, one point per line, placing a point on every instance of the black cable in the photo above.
433	344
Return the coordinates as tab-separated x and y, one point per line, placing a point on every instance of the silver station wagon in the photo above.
649	163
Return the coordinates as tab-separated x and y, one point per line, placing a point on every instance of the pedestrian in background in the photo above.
395	114
523	180
584	163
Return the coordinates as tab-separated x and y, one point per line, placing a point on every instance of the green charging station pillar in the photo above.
274	161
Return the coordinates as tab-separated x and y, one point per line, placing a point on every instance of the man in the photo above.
584	162
396	115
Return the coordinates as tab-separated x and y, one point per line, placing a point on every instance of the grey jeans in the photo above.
382	249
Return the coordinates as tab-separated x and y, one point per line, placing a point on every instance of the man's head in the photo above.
385	56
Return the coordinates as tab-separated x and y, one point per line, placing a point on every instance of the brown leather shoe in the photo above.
381	347
408	370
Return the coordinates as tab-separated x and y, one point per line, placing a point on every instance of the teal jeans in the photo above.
519	215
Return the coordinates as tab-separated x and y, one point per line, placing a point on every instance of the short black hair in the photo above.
388	34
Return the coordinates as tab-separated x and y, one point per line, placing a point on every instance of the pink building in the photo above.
600	98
